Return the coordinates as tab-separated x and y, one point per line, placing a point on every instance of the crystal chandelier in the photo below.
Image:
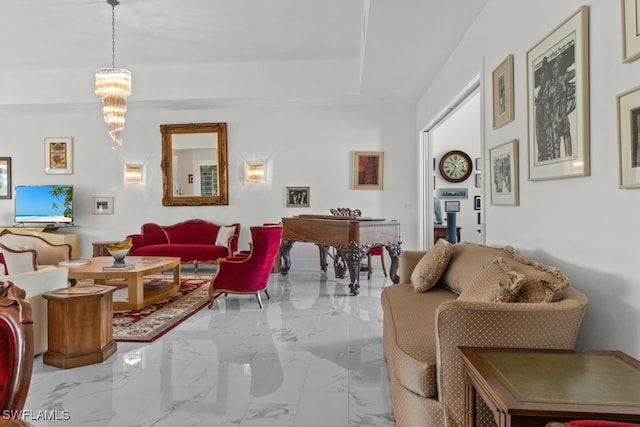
113	85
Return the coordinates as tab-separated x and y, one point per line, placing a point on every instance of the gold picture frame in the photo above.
558	101
368	170
5	177
502	76
58	156
503	173
630	30
628	108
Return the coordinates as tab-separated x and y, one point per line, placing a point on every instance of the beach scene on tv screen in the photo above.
47	203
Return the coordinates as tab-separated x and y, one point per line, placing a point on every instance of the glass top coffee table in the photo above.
138	296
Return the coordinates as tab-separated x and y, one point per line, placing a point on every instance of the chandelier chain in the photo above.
113	34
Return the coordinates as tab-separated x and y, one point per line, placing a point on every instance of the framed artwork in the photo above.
58	156
630	30
368	170
102	205
298	197
453	193
5	177
558	101
503	93
478	163
629	138
478	180
477	203
452	206
503	169
190	178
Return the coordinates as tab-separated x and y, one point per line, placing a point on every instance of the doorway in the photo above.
459	128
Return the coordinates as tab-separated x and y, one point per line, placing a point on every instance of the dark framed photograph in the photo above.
503	93
298	197
368	170
503	163
629	138
5	177
558	101
476	203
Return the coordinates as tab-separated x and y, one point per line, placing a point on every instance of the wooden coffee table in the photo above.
532	387
138	296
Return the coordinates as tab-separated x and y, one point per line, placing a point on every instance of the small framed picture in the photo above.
451	206
298	197
630	33
478	180
503	163
476	203
629	138
58	156
503	93
102	205
368	170
478	163
190	178
453	193
5	177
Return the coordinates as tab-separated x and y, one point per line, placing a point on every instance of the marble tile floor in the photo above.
312	357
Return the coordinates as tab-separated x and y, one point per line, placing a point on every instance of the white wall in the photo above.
586	226
303	147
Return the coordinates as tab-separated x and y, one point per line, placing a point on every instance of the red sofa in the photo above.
194	240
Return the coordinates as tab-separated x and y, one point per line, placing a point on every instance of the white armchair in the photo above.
17	261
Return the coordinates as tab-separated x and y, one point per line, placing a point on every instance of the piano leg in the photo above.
323	256
285	255
394	250
352	255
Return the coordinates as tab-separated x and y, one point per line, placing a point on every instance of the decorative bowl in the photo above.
119	251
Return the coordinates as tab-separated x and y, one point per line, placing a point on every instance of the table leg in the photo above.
285	254
135	286
394	250
352	255
323	249
469	402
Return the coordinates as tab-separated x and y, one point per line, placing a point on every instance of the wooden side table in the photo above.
100	248
532	387
80	326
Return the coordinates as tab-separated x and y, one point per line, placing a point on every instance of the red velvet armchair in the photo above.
16	347
248	273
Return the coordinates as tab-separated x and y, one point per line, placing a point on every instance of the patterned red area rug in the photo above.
150	323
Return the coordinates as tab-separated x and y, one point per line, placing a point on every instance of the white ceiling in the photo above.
204	53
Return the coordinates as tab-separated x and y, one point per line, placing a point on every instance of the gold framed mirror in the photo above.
194	164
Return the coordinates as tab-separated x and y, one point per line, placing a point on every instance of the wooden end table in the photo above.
138	296
532	387
80	326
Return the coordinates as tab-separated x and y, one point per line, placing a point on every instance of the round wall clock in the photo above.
455	166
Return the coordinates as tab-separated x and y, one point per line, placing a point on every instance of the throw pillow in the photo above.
495	283
543	283
224	234
427	272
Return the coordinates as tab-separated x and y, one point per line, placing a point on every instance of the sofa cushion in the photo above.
497	282
467	260
224	234
429	269
409	335
542	283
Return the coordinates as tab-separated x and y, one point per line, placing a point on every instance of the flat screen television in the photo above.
44	204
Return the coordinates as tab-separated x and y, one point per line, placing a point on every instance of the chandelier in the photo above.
113	85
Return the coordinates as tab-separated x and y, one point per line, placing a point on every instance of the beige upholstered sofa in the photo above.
477	300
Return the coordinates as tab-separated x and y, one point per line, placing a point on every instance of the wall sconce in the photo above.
133	174
254	172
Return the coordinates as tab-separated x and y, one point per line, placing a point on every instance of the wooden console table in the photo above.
532	387
80	326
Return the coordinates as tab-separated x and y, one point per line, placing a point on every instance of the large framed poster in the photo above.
558	101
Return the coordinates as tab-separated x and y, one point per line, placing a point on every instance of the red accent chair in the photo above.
16	347
376	251
248	274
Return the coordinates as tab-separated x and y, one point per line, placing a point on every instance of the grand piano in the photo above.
350	238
